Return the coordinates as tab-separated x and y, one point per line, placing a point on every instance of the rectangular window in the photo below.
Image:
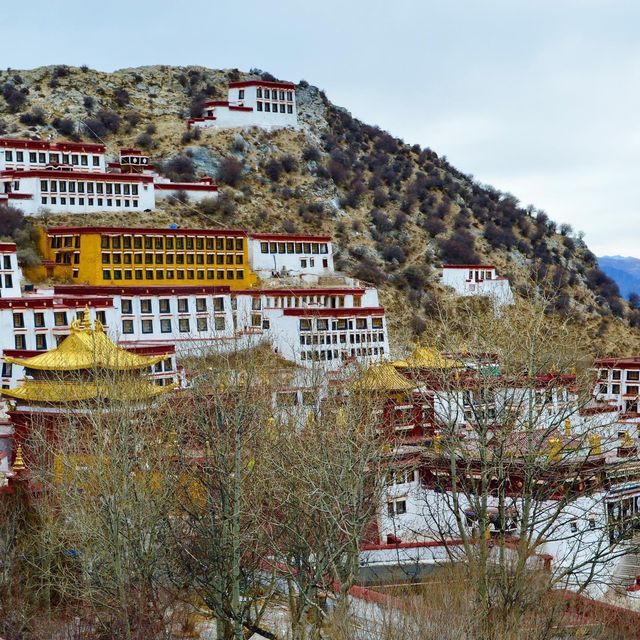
41	342
183	325
305	324
201	304
60	318
201	324
18	320
20	341
147	326
127	326
145	306
183	305
165	325
165	305
38	319
127	306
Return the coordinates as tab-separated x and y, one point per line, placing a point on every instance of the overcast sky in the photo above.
537	97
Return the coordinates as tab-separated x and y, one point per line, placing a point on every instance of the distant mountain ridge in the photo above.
624	270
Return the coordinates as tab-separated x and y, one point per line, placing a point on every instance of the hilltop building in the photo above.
252	103
75	177
477	280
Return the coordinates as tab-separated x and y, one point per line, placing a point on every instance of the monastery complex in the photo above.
138	301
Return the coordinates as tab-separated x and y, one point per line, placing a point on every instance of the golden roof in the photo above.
54	391
382	377
87	347
428	358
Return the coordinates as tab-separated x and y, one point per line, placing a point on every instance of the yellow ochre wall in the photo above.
98	258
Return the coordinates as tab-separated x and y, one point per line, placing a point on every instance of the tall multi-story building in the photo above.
201	289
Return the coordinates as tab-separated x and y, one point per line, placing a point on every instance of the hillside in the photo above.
396	211
625	271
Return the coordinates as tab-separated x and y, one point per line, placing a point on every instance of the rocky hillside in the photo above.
396	211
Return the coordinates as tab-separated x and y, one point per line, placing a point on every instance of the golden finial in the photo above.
18	463
595	444
555	446
437	444
627	441
567	427
86	320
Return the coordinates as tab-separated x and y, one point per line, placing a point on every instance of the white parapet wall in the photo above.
252	103
477	280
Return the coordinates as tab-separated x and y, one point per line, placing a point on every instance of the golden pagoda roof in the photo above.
428	358
382	377
54	391
87	347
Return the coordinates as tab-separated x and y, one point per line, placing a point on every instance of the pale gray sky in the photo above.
537	97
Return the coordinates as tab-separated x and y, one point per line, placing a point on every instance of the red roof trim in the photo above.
301	291
74	175
184	186
21	143
262	83
289	236
468	266
159	349
8	246
110	290
57	302
140	231
19	196
629	362
428	544
351	312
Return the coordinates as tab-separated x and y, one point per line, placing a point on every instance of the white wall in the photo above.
267	256
32	185
10	273
475	281
92	161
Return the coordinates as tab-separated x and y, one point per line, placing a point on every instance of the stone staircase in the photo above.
627	567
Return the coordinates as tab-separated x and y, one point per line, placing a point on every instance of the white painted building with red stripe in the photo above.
69	177
252	103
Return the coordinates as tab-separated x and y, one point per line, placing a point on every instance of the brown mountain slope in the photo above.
397	211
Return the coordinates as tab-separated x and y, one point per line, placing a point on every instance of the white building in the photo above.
307	313
75	178
477	280
10	273
252	103
274	255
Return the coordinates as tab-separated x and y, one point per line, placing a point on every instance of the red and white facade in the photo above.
477	280
252	103
273	255
304	318
10	274
38	176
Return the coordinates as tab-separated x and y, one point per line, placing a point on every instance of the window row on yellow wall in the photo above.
172	258
170	274
170	242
